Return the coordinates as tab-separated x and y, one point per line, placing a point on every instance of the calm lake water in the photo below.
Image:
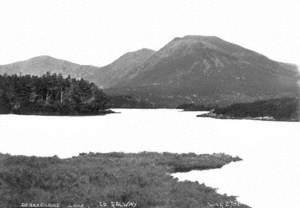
268	176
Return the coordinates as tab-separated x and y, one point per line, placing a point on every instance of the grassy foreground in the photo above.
93	180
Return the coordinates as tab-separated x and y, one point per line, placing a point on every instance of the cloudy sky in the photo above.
98	31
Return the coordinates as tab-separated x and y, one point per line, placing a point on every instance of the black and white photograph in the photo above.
149	104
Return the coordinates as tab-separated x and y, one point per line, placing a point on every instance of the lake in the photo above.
268	176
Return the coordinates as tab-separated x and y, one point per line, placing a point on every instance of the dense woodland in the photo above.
285	109
50	94
142	178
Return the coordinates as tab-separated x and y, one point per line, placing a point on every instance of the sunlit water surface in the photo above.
268	176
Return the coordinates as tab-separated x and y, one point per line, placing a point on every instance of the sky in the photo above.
96	32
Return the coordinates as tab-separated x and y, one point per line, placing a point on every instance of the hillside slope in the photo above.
119	70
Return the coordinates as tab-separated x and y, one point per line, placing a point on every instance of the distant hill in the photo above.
199	70
40	65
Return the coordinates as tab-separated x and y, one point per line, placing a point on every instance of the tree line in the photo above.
281	109
50	94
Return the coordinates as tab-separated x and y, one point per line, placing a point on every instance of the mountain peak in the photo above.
143	53
192	43
145	50
189	44
197	38
42	58
140	52
201	37
48	60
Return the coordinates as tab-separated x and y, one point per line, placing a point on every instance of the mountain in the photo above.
209	71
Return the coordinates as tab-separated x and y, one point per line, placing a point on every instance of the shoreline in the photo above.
102	113
225	117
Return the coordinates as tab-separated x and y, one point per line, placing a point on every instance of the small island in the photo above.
278	109
142	179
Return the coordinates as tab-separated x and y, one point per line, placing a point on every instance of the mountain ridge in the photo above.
102	76
191	69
